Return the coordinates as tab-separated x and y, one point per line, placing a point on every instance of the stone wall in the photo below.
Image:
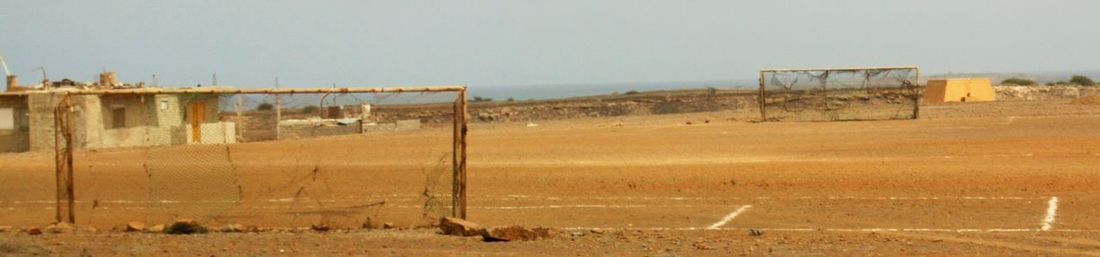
401	125
1027	93
320	128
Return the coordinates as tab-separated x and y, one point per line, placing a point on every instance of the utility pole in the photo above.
239	127
214	80
155	80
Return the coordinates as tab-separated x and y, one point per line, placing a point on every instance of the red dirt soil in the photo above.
966	179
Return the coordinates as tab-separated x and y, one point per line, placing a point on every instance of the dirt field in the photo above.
1006	178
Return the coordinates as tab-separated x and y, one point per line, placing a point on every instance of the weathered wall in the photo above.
141	124
41	120
14	136
214	133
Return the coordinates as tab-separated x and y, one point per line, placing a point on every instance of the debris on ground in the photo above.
158	228
61	228
34	231
185	227
517	233
459	227
756	232
233	228
323	227
135	226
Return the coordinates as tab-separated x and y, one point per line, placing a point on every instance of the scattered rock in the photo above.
596	231
135	226
388	225
34	231
459	227
61	228
4	229
323	227
233	228
701	245
517	233
158	228
756	232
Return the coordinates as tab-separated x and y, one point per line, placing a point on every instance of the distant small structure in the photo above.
959	90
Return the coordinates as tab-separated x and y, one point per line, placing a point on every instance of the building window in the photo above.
163	105
118	117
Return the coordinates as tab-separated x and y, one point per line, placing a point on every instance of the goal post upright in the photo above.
458	195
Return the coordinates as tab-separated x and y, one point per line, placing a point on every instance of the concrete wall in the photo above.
214	133
14	136
41	120
400	125
141	127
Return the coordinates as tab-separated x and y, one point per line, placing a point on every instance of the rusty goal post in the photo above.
275	157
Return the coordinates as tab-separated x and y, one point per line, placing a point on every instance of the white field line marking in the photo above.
681	198
1052	209
729	217
954	230
411	199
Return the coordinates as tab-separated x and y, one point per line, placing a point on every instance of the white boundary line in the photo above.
729	217
1052	210
955	230
409	198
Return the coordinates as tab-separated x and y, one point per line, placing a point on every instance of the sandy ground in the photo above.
1009	178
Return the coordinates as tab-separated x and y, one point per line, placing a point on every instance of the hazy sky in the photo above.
514	42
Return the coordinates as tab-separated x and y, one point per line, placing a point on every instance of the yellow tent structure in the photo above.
959	90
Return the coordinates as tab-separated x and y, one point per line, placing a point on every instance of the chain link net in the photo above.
842	94
339	160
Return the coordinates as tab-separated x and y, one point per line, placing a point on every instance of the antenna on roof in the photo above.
43	70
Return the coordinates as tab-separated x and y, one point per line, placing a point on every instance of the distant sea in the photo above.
537	92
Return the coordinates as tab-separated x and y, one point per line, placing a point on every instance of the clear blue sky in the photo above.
508	42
